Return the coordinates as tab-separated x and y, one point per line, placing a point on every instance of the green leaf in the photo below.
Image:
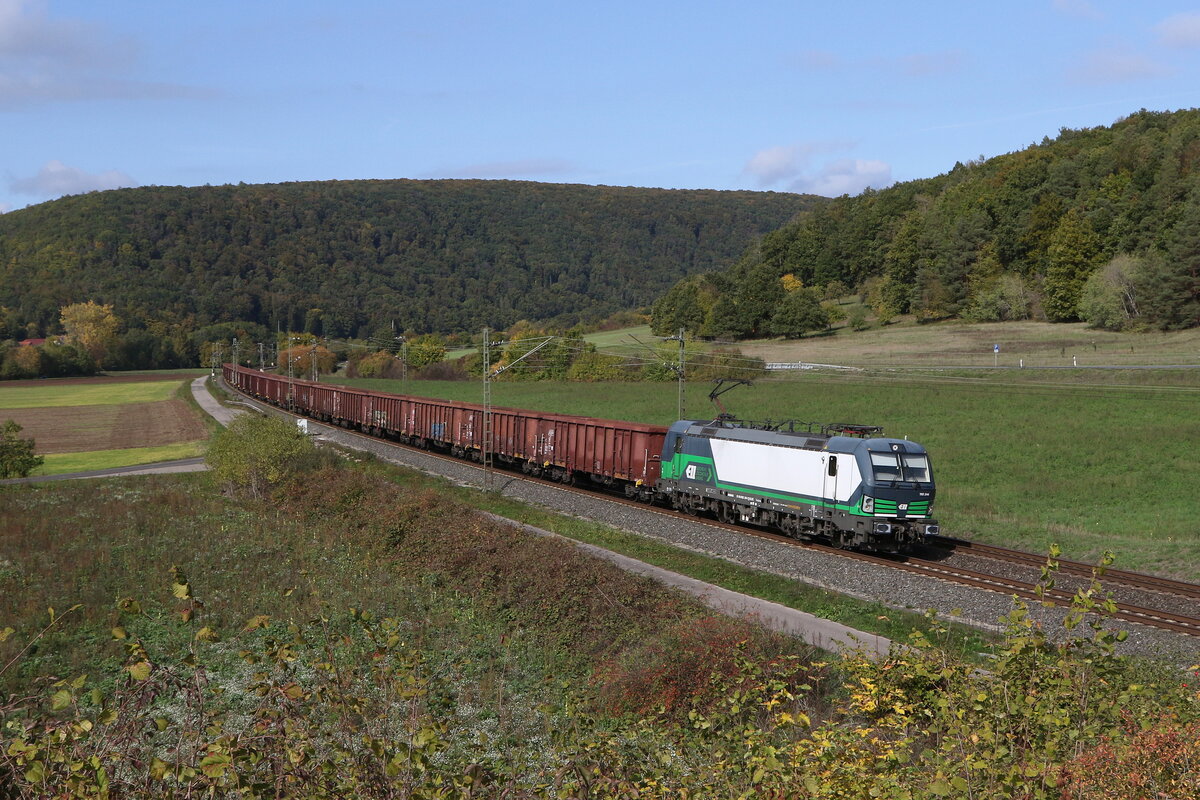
140	671
181	590
119	633
36	772
214	764
7	632
60	700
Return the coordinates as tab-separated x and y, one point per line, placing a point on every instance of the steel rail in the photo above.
1139	580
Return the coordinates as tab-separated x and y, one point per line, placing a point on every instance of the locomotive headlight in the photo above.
868	505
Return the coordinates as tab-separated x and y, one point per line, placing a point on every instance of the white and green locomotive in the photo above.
846	484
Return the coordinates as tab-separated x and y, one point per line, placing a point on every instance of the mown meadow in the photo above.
357	631
1022	463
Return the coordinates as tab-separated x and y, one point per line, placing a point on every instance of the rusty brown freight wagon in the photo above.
559	446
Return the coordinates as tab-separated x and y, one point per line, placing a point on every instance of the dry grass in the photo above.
1039	344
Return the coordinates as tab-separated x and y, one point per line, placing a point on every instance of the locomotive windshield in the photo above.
912	467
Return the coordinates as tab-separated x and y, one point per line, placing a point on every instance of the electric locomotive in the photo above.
847	484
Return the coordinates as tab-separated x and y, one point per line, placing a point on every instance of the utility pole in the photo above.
404	362
262	364
488	466
291	365
682	384
678	369
487	397
236	363
312	359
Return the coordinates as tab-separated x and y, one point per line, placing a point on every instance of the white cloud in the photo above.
791	166
5	208
56	179
845	176
1114	65
1078	8
30	36
522	168
45	59
1180	30
774	164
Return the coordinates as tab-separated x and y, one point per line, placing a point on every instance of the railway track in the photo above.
1156	618
1137	580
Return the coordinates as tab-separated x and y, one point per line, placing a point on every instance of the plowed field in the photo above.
78	429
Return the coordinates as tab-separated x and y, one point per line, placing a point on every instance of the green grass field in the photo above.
58	395
1090	466
63	463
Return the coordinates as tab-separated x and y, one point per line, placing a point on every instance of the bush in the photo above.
592	367
1109	297
16	454
254	454
1005	299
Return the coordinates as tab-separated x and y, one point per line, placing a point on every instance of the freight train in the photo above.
845	484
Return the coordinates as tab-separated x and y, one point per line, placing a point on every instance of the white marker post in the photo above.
996	354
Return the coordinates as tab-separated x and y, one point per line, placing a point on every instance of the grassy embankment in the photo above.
1092	459
495	648
502	660
97	423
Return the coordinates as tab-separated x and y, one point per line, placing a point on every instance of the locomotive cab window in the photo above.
832	466
916	467
885	466
910	467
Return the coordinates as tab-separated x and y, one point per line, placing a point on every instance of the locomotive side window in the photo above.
832	466
916	468
885	466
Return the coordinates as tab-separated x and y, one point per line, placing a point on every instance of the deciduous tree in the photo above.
17	458
798	313
90	326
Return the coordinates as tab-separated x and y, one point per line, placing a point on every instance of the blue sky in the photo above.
789	96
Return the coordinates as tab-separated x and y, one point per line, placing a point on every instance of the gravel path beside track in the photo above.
889	587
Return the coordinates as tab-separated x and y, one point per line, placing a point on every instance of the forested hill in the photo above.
344	257
1100	224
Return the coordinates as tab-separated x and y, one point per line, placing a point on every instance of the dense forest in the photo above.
1101	224
346	258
